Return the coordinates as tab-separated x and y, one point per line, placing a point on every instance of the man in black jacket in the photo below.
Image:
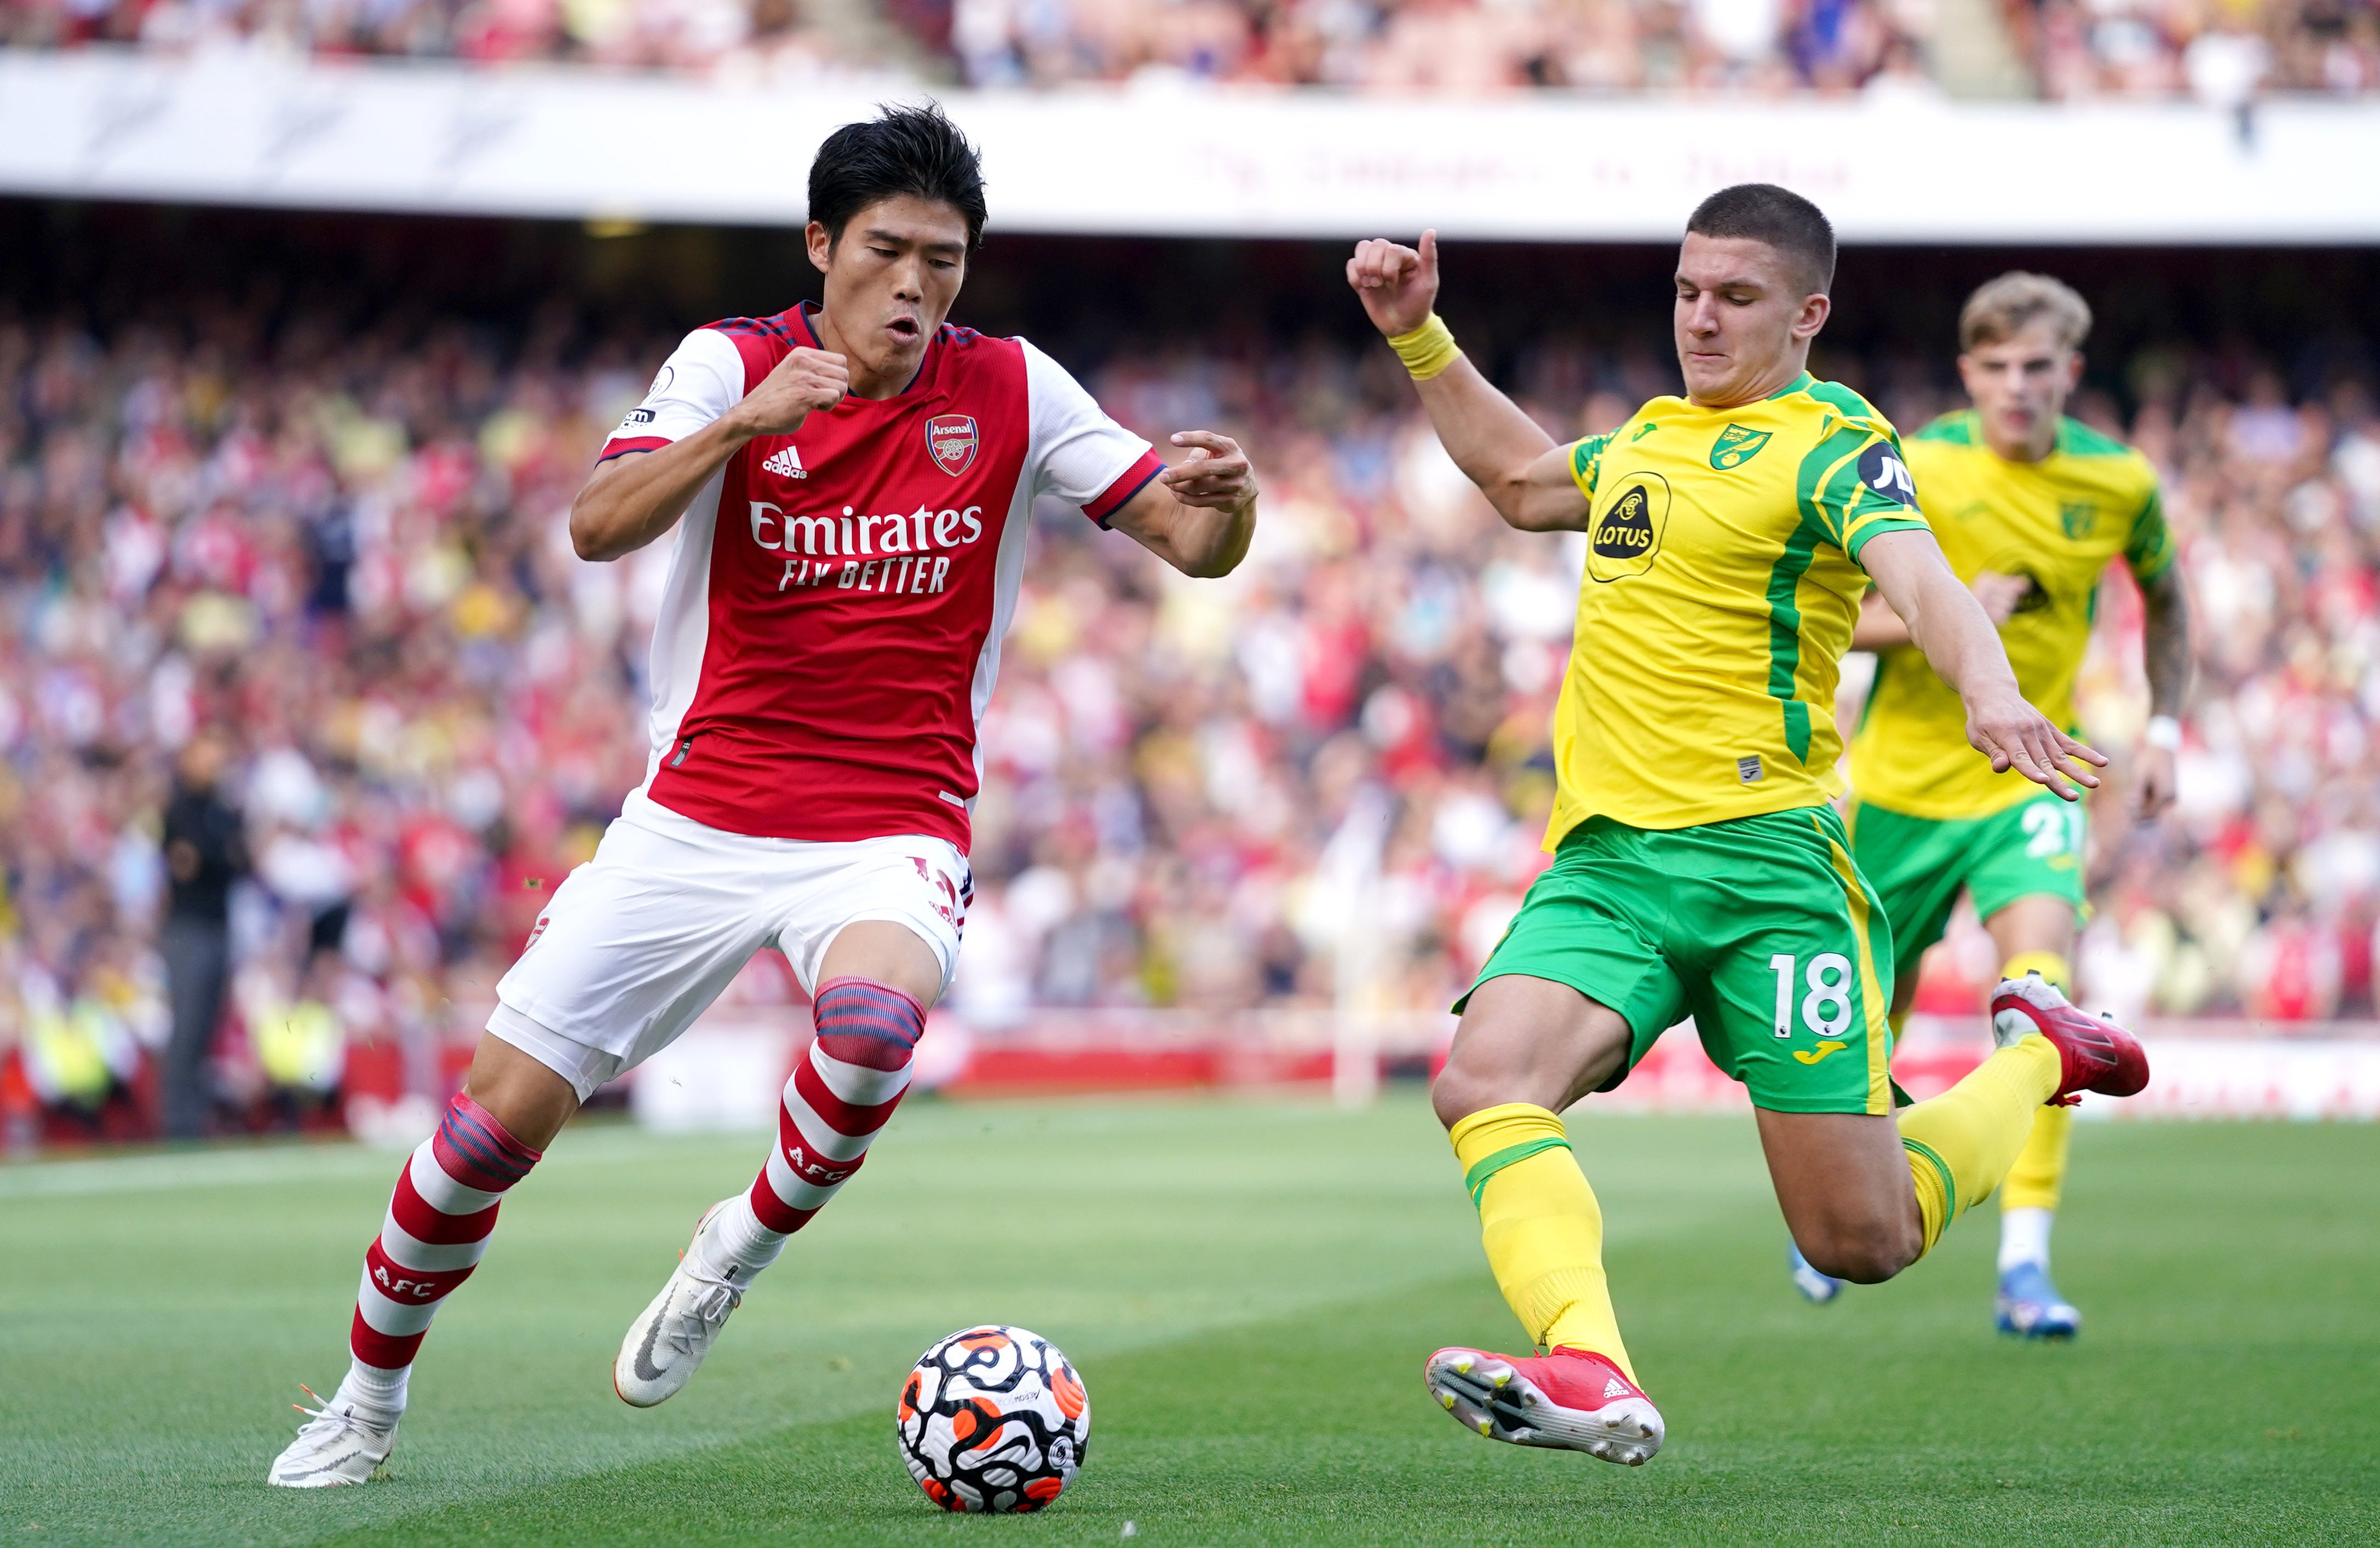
206	851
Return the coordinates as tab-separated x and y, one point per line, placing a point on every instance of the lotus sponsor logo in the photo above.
1627	535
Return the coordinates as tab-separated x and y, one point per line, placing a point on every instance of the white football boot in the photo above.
666	1343
337	1446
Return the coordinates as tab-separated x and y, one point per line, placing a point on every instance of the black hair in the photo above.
902	150
1780	217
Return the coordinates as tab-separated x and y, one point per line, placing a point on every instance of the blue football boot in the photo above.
2029	1305
1815	1287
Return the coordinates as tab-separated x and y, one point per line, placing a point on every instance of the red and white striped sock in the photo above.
432	1237
842	1092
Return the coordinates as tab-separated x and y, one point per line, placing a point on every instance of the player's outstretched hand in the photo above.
2013	734
1398	284
1216	474
804	382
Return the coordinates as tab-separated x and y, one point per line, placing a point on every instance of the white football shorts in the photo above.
638	941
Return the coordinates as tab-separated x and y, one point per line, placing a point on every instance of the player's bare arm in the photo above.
1200	514
1516	465
1947	622
634	498
1880	628
2166	650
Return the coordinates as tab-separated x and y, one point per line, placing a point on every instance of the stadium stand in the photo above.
334	528
2226	53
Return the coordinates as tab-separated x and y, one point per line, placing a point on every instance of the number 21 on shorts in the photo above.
2053	831
1827	1007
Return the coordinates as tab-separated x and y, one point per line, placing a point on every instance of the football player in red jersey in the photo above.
850	487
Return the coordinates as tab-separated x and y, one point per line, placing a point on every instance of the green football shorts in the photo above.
1760	928
1917	865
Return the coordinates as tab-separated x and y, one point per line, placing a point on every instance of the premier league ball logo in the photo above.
950	441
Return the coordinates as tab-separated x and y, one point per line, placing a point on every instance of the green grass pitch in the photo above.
1249	1289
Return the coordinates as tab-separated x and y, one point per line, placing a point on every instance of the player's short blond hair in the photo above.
2000	307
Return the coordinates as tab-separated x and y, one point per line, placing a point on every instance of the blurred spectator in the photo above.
2225	54
301	1045
77	1055
206	852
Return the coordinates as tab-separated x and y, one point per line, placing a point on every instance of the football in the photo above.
993	1418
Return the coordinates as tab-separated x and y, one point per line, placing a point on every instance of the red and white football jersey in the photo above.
832	623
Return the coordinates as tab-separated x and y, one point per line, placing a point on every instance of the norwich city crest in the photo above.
1736	446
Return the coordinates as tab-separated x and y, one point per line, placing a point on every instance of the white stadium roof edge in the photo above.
575	143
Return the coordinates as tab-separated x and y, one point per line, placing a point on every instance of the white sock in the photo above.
736	1238
379	1393
2025	1237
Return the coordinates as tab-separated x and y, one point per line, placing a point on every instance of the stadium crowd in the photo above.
336	561
2226	53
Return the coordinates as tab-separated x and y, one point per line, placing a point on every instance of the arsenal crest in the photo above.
950	441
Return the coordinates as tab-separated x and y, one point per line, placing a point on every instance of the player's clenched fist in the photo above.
1216	474
1398	284
804	380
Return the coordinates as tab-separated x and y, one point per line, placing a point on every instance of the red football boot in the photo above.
1569	1399
2093	1053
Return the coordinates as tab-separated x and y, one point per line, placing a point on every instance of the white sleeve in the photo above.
702	380
1076	452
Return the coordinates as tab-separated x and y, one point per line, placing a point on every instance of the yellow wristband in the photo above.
1427	350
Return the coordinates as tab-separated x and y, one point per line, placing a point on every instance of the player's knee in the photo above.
530	1100
1460	1092
1866	1253
1451	1096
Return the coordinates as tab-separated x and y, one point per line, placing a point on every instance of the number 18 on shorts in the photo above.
1761	929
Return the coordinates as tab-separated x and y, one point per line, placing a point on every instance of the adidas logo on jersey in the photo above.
786	463
1615	1388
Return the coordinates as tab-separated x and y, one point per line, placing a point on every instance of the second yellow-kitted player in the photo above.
2030	507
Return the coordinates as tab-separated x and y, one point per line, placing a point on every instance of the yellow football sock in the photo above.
2049	964
2039	1175
1541	1226
1964	1141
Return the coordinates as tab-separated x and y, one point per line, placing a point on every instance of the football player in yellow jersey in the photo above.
2030	508
1699	865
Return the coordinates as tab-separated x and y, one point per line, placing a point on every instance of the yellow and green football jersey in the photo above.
2058	522
1722	582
